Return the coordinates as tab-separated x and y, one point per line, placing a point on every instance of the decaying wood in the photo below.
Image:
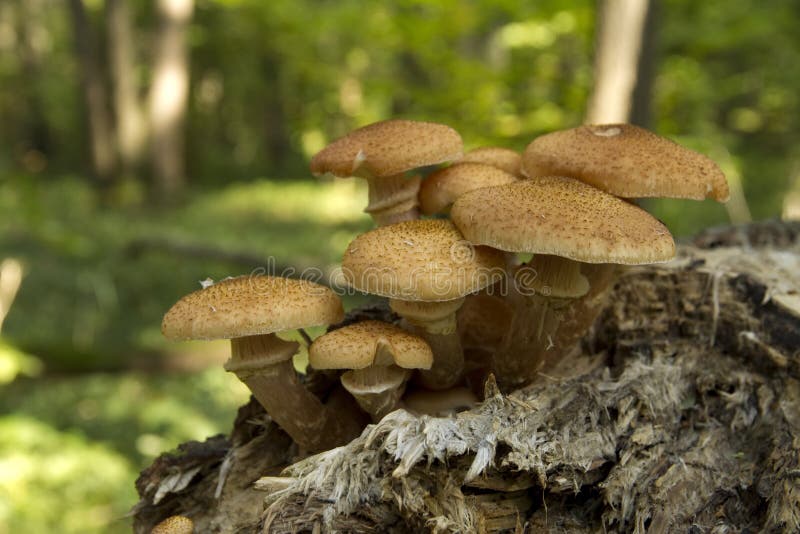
679	413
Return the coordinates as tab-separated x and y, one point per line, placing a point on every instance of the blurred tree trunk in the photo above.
619	39
98	117
131	125
168	96
36	131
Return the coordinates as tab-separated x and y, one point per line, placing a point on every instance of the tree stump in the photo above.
680	412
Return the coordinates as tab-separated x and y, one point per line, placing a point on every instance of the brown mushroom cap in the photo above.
366	343
251	305
388	147
563	217
500	157
176	524
626	161
444	186
426	260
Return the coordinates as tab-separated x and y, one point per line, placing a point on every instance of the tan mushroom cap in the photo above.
387	148
426	260
366	343
251	305
626	161
444	186
176	524
563	217
503	158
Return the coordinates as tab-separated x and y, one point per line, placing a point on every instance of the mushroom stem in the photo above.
376	388
545	328
440	403
435	322
264	364
393	199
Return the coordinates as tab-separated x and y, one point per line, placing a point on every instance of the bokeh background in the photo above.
147	145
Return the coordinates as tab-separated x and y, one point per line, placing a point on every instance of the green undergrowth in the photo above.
98	279
71	447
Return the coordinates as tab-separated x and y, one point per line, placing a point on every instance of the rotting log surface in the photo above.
680	414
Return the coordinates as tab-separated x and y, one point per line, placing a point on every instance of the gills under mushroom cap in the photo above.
366	343
562	217
251	305
626	161
387	148
427	260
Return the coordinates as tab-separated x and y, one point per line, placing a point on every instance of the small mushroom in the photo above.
425	268
382	153
565	224
249	310
176	524
500	157
379	356
626	161
442	187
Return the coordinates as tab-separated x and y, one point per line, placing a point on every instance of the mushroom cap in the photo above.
503	158
626	161
388	147
563	217
444	186
176	524
251	305
367	343
427	260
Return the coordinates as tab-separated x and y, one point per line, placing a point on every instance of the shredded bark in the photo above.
680	412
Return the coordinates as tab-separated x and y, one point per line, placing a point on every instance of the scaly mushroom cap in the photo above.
503	158
176	524
388	147
426	260
626	161
444	186
251	305
366	343
563	217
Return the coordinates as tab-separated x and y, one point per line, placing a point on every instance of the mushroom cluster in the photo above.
466	305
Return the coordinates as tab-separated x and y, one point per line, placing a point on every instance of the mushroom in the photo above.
382	153
425	268
440	403
176	524
500	157
249	310
379	356
565	224
626	161
442	187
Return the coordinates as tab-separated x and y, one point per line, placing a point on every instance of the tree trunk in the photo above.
98	117
619	38
131	125
169	95
680	412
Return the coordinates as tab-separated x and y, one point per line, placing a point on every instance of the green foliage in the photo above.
73	446
92	300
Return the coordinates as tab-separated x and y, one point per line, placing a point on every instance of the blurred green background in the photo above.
145	146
